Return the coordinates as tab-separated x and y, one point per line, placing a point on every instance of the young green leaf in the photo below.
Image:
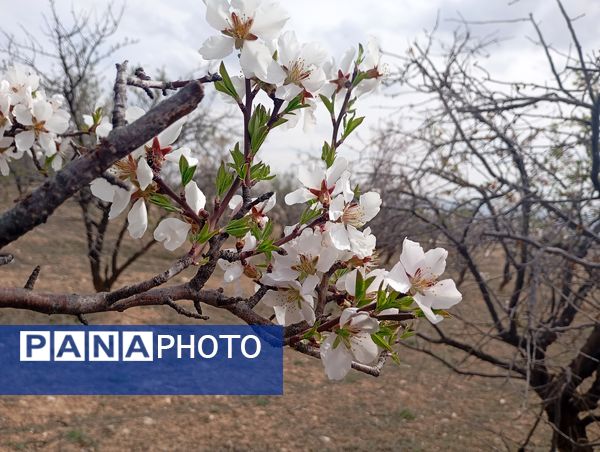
351	126
238	228
224	179
162	201
328	103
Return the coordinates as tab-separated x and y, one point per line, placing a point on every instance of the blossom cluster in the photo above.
319	276
30	121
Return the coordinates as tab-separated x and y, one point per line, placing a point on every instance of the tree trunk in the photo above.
569	431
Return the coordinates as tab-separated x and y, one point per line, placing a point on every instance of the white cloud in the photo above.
170	32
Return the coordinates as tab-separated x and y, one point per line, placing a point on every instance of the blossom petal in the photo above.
370	204
41	110
310	177
443	295
233	272
217	13
194	196
429	314
327	258
138	219
144	173
298	196
4	168
363	348
339	236
269	20
172	232
336	170
336	361
121	200
23	115
336	208
171	133
411	256
398	279
25	140
434	263
58	123
102	189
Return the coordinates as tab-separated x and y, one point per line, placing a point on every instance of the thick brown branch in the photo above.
36	208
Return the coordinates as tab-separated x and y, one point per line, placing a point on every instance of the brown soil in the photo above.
418	405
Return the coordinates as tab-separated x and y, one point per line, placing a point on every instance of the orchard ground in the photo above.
419	405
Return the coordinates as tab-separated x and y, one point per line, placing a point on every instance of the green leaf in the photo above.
238	228
163	201
225	85
309	215
361	55
352	125
327	102
183	165
260	171
257	127
383	343
359	78
294	104
188	175
279	122
224	179
239	161
328	154
204	235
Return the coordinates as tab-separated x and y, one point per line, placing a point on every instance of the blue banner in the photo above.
141	360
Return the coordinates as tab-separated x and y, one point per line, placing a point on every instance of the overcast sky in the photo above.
170	32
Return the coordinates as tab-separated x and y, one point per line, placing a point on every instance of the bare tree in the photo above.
70	63
506	174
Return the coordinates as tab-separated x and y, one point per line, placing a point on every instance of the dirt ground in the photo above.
419	405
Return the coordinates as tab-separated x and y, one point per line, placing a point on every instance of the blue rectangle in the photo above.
60	360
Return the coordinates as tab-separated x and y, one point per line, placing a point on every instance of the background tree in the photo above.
506	175
71	61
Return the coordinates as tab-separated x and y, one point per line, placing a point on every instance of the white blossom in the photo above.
137	219
301	64
319	184
41	122
350	342
23	83
233	270
245	25
7	153
348	217
107	192
417	274
292	302
308	255
172	232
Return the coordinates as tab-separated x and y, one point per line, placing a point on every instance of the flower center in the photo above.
126	167
239	29
306	266
296	73
419	283
353	215
39	127
293	297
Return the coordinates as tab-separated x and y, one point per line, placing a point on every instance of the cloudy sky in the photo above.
170	32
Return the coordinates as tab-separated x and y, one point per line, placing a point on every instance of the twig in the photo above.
32	278
6	259
120	97
181	310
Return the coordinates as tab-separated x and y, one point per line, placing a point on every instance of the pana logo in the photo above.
132	346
